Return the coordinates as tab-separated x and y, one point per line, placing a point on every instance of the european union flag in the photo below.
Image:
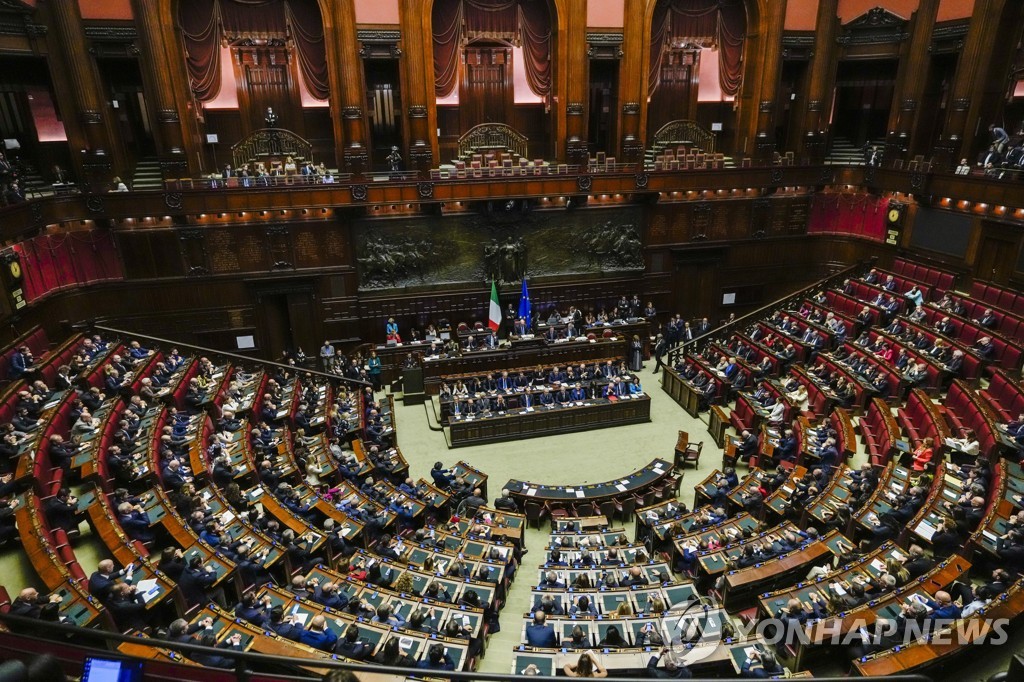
525	309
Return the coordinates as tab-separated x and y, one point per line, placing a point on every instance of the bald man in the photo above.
31	604
101	582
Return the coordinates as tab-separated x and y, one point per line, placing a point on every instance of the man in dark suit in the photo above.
539	633
101	582
918	563
746	448
672	669
31	604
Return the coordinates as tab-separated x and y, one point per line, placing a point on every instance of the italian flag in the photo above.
494	317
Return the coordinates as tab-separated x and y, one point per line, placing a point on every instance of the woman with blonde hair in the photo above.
404	584
896	569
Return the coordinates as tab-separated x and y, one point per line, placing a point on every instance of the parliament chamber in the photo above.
374	339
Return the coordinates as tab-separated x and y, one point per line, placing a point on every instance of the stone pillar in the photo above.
813	133
346	79
418	84
969	83
162	83
910	81
633	82
102	159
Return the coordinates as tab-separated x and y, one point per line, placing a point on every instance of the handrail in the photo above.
493	135
267	142
220	353
702	340
685	130
242	658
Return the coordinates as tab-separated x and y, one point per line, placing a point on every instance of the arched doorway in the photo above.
278	60
493	63
696	62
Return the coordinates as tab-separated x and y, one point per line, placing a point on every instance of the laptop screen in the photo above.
111	670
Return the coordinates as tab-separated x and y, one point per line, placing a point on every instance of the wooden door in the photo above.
676	95
695	283
485	94
996	259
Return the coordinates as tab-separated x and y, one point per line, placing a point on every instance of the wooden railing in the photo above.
271	143
493	136
684	131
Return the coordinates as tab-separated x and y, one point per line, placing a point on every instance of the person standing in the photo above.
636	354
326	353
374	367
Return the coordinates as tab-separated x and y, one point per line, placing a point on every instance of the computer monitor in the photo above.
902	445
98	669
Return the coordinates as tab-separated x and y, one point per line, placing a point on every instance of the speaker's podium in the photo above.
412	386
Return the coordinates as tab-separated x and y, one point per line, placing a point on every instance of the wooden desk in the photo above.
544	421
651	474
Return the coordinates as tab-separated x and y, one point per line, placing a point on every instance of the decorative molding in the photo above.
191	234
90	116
36	211
352	113
425	190
766	106
641	180
380	35
961	104
574	109
417	111
421	155
278	231
26	28
95	204
359	192
631	108
167	116
776	175
173	200
917	181
584	182
798	40
908	104
949	30
814	105
121	34
613	39
877	25
828	176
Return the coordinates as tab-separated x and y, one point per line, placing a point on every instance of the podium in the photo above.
412	386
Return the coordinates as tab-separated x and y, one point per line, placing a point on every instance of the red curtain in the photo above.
204	23
446	17
199	21
862	215
259	19
491	19
455	22
308	36
52	262
723	22
535	35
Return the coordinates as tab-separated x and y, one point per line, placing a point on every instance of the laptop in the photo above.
99	669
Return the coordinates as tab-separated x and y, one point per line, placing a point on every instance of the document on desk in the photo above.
530	492
580	493
621	488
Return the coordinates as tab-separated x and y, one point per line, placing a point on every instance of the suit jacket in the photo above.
541	636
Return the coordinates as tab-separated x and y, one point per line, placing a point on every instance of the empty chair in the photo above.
534	512
692	454
625	508
609	509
